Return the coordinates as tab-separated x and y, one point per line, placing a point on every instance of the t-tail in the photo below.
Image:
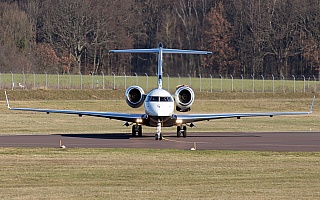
160	51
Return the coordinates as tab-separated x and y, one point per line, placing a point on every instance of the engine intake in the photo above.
184	97
135	96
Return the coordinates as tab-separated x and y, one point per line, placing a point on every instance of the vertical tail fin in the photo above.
160	51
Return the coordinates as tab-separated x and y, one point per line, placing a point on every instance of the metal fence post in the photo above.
125	80
252	83
220	83
262	83
114	80
200	82
210	83
179	79
58	81
272	83
242	83
231	82
189	80
12	81
46	80
80	81
92	82
137	81
283	83
304	83
168	82
315	83
102	80
294	83
34	80
70	80
147	80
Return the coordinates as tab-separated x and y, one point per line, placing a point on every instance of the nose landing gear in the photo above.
158	135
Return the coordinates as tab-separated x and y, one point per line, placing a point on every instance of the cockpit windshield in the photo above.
157	98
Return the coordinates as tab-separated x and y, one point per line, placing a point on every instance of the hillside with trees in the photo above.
247	37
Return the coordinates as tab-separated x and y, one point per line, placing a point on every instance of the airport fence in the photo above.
209	83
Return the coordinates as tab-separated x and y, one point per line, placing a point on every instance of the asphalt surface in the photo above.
257	141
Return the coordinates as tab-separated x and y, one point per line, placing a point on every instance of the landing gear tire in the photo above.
157	137
136	129
178	131
182	130
184	133
140	131
133	131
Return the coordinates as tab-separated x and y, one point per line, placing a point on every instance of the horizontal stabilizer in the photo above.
157	50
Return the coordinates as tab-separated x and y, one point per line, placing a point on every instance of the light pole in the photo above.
189	80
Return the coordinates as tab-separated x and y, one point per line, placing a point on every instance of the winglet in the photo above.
312	104
5	92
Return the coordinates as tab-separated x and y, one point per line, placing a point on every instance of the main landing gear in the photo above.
182	130
136	129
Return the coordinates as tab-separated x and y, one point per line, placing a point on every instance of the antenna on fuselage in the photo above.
160	51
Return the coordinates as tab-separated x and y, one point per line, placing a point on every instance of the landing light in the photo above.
179	121
139	121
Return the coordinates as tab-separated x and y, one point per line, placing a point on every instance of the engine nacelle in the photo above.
135	96
184	97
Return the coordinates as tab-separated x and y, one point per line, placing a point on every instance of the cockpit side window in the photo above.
166	99
153	98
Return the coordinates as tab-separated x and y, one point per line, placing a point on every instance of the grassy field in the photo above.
157	174
43	173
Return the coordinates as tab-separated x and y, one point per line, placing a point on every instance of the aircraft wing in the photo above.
189	118
111	115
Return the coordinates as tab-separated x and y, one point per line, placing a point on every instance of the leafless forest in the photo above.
247	37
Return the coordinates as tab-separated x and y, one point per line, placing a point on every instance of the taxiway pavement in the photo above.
250	141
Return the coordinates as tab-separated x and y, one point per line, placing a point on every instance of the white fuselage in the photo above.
159	103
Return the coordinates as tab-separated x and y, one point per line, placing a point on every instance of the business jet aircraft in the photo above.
159	104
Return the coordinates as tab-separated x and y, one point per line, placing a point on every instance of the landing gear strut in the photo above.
182	130
136	129
158	135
